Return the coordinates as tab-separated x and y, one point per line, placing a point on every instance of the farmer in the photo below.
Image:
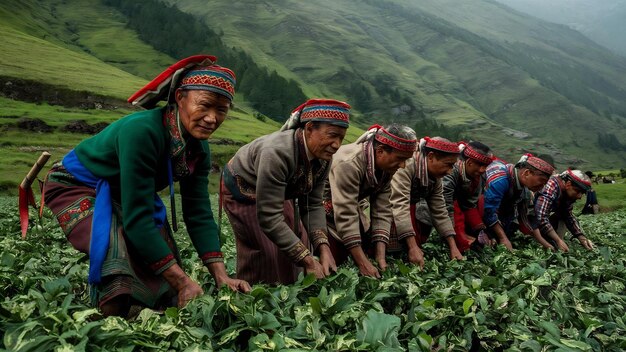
591	200
360	176
417	199
274	182
508	194
554	205
462	190
103	192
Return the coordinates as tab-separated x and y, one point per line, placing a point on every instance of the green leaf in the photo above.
467	305
576	344
551	328
379	329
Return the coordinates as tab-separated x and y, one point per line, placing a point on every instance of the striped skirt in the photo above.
259	260
124	273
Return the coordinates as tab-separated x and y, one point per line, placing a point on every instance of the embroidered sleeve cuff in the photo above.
449	234
380	236
161	265
352	241
406	235
578	235
318	237
297	252
212	257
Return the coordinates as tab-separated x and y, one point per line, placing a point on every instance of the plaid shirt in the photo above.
552	200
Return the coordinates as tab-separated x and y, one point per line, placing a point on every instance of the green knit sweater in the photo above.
132	154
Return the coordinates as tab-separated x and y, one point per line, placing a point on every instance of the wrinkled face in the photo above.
439	167
201	112
572	191
324	139
390	161
474	169
534	181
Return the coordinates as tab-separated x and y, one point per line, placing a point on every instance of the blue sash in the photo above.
102	214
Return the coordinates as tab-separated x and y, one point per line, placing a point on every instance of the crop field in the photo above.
529	300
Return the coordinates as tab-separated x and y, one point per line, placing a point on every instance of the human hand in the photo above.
585	242
188	292
234	284
186	288
562	246
455	254
484	239
367	269
416	256
327	260
312	266
506	243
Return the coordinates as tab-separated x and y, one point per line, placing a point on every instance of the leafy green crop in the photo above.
530	300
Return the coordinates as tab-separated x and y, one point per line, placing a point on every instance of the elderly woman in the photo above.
276	180
462	189
103	192
507	195
417	199
554	206
361	173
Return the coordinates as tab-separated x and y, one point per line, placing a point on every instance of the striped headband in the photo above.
537	163
469	152
324	110
579	181
214	78
439	145
385	137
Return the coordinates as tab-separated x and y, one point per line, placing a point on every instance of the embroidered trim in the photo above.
385	137
406	235
298	252
351	241
157	266
212	257
318	237
380	236
471	153
442	146
73	214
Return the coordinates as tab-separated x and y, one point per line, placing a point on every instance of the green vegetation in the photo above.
528	300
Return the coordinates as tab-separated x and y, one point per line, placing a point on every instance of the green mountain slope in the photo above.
82	45
508	79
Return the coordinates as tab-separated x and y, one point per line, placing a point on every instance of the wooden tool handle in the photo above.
34	171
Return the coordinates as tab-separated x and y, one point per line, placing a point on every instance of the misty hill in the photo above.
477	67
601	20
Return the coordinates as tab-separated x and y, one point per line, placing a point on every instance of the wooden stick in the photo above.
34	171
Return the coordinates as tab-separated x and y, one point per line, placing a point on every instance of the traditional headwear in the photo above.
439	145
330	111
214	78
207	77
381	135
468	152
539	164
578	178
